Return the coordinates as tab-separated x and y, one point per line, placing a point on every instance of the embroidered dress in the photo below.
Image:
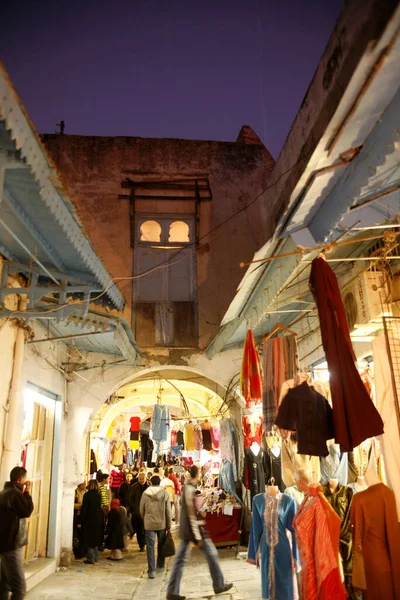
335	466
271	519
253	475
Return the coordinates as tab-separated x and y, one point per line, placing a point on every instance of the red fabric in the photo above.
252	431
354	414
135	423
250	377
223	528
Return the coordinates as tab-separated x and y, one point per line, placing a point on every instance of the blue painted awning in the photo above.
38	223
352	182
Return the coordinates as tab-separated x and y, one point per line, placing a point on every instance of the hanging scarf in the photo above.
250	376
271	518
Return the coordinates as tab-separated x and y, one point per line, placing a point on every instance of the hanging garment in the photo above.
252	430
198	438
93	463
173	438
291	461
280	364
272	518
250	376
253	472
273	468
160	423
226	480
317	528
386	404
308	413
227	445
354	414
117	454
180	441
215	435
340	500
296	494
376	540
206	433
135	424
334	466
189	437
358	461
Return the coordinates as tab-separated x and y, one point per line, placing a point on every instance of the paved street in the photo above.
128	579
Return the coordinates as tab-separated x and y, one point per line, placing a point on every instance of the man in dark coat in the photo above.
135	496
15	507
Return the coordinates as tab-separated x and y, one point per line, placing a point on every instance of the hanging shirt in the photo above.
308	413
189	437
160	423
135	423
117	454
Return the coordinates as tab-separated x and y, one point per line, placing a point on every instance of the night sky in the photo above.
166	68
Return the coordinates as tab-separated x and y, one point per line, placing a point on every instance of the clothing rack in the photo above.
276	328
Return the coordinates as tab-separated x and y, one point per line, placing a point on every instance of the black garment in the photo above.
253	473
123	494
207	442
93	463
134	436
114	531
138	527
273	468
309	414
92	519
180	440
14	505
135	496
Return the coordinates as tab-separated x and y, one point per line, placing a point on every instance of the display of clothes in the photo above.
253	471
386	398
334	466
226	479
308	413
279	364
118	453
272	519
93	463
354	414
189	436
340	498
358	461
160	423
180	440
273	467
292	461
296	494
317	528
227	444
215	435
250	375
206	433
252	428
198	437
376	541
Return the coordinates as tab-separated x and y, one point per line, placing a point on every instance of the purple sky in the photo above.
166	68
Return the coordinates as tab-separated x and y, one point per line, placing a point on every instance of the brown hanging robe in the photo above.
354	414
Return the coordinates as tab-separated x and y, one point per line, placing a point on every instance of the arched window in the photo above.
150	231
179	232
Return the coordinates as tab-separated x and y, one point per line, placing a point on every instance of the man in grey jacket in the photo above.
191	531
155	510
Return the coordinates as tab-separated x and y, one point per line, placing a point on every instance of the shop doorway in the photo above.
37	453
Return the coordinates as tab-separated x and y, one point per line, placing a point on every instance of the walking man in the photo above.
191	531
15	507
135	495
155	510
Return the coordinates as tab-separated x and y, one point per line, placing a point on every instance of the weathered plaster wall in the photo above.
94	167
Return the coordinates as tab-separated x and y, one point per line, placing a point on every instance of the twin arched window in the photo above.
151	231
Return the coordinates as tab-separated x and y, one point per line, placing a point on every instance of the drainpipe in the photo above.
14	408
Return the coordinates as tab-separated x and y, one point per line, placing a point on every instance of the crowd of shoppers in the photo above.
144	505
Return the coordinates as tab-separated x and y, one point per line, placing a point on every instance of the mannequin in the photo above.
276	451
333	484
272	518
255	448
273	490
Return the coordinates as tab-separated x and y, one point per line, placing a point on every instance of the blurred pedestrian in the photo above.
155	510
123	490
15	507
178	492
135	496
92	522
79	550
191	530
